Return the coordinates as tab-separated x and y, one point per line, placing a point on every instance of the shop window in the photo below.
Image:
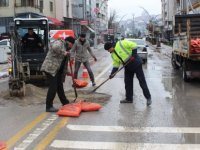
51	6
4	3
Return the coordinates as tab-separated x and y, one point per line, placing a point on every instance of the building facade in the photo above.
170	8
168	11
10	8
70	12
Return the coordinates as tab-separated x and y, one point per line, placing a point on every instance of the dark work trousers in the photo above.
130	71
56	86
87	66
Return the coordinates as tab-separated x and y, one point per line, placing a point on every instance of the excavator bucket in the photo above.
17	88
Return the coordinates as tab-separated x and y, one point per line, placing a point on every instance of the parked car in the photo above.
4	49
142	48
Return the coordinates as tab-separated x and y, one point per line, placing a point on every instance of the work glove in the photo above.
95	59
111	76
67	53
113	73
132	58
71	60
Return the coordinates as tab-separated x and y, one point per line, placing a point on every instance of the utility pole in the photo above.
133	25
97	10
95	31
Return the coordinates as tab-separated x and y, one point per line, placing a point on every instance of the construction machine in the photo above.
26	62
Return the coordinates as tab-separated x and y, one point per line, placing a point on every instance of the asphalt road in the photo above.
171	123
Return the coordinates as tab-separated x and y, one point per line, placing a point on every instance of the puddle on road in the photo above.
36	96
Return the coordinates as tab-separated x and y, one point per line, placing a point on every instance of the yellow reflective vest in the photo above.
124	49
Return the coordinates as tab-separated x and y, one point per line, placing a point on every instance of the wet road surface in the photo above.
171	122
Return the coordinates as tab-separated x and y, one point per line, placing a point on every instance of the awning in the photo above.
89	28
54	21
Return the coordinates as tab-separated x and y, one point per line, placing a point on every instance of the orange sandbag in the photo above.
80	83
70	110
88	106
2	145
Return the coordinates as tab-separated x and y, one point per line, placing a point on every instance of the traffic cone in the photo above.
2	145
85	73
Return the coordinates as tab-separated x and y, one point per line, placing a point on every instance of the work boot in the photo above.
93	83
126	101
51	109
67	102
149	101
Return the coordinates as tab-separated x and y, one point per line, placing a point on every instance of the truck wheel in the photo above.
184	74
173	62
144	61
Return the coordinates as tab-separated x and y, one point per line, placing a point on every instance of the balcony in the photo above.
195	4
23	8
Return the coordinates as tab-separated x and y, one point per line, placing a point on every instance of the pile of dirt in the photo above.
33	96
89	96
37	95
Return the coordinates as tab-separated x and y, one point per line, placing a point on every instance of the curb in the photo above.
4	75
164	49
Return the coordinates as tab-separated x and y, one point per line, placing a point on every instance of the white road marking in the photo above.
103	72
36	133
121	145
134	129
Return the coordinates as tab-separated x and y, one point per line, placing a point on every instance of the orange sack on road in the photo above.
70	110
89	106
2	145
80	83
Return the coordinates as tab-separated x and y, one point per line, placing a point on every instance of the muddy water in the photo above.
36	95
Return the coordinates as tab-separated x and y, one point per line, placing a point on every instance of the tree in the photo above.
112	19
139	34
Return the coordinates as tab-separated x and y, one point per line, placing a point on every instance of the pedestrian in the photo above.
32	42
80	51
55	66
125	52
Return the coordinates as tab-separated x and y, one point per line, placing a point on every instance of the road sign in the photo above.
61	33
84	22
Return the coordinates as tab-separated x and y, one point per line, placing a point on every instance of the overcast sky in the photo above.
127	8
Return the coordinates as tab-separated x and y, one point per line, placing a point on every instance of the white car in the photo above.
142	48
4	49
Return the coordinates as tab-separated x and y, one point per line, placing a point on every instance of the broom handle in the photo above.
72	74
112	75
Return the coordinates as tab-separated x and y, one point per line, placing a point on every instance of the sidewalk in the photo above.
4	70
99	46
164	49
4	67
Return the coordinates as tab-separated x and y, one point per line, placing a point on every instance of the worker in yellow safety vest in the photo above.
125	52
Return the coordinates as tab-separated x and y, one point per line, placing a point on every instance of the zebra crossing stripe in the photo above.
121	145
134	129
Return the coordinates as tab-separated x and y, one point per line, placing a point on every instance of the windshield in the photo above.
139	42
39	31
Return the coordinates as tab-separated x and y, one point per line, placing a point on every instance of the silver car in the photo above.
142	48
4	49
